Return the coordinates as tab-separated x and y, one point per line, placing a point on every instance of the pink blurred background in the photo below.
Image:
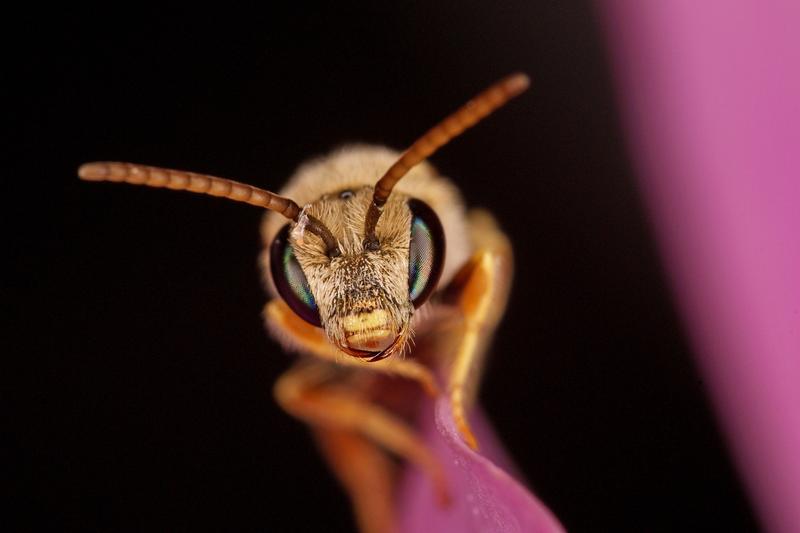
710	93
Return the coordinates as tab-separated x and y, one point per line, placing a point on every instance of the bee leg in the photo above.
367	474
480	291
297	334
310	392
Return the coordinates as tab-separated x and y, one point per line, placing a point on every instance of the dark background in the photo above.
143	401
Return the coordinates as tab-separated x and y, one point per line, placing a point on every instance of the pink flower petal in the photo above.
485	496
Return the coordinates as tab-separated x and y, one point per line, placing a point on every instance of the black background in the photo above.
143	401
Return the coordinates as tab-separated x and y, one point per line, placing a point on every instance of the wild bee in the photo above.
381	252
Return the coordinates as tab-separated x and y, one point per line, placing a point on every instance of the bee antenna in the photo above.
180	180
454	125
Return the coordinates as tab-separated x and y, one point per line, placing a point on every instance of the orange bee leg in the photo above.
311	393
367	474
480	292
297	334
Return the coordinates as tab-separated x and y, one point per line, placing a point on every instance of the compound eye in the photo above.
290	280
425	252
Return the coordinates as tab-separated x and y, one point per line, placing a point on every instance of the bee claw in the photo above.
468	436
462	425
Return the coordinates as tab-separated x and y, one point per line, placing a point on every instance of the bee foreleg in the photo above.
299	335
480	291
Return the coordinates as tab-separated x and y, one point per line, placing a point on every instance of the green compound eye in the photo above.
290	281
425	252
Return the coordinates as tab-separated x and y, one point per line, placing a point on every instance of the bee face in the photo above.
363	298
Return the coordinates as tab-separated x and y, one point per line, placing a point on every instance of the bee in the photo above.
384	284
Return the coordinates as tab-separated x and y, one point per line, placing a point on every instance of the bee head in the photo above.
363	297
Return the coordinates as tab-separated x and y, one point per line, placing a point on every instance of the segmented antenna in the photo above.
180	180
467	116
